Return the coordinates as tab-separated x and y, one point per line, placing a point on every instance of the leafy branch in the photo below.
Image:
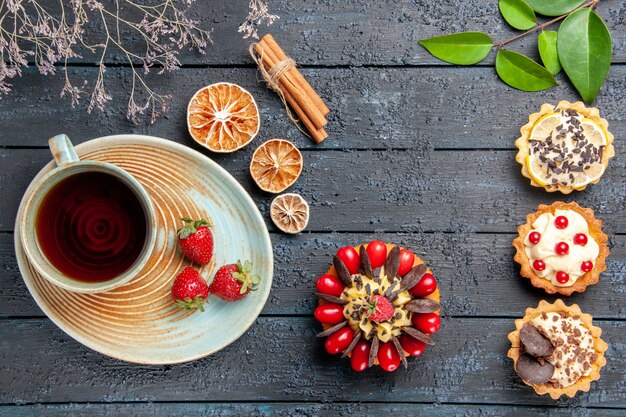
582	46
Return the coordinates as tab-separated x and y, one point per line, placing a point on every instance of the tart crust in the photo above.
523	145
435	296
595	231
599	345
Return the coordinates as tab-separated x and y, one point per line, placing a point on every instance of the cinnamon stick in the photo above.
295	75
303	99
317	134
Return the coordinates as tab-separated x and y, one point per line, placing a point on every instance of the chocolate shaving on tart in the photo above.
333	329
392	263
533	371
355	340
373	351
396	343
366	265
393	288
535	343
392	297
413	276
413	332
422	305
331	299
342	271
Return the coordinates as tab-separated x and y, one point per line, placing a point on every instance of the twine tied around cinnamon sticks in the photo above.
281	75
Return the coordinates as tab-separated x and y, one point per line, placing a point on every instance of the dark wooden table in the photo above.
420	153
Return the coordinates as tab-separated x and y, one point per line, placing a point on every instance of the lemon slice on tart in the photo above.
545	125
564	147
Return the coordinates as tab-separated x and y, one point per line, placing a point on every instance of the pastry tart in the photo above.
561	248
378	305
556	349
564	147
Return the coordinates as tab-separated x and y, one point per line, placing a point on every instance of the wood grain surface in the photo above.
420	153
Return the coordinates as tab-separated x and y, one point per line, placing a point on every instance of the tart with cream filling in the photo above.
378	305
556	349
561	248
564	147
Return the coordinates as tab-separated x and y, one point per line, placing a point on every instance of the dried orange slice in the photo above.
276	165
290	213
223	117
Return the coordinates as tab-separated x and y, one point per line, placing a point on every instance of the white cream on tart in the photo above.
560	248
358	297
574	352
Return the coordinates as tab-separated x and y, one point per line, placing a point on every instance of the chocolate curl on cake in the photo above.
333	329
413	332
366	264
331	299
413	276
396	343
355	340
373	351
342	271
392	263
422	305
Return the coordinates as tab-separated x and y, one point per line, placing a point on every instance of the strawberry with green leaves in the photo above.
234	281
196	240
189	290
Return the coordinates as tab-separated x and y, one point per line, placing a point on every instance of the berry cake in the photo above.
561	248
378	305
556	349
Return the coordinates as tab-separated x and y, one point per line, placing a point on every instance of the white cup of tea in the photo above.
86	226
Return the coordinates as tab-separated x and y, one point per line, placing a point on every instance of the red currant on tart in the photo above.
387	308
586	266
580	239
561	248
534	237
561	222
562	277
539	265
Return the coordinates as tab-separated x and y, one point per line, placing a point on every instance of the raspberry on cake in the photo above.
379	306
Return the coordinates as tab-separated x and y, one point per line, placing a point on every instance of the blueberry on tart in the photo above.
556	349
564	147
378	305
561	248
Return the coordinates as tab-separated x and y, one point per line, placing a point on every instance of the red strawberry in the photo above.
380	309
233	282
190	290
196	240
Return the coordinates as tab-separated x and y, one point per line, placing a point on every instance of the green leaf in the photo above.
518	14
522	72
585	46
554	7
547	51
465	48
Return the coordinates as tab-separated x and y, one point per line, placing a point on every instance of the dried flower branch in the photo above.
259	12
53	34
